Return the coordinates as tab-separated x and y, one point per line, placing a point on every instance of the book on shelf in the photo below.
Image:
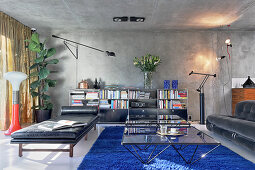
78	97
169	117
92	103
119	104
104	104
171	104
139	94
172	94
92	95
139	130
124	95
113	94
77	103
61	124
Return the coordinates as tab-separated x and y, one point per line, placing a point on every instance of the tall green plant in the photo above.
147	63
39	87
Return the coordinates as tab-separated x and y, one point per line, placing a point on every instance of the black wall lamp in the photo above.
108	53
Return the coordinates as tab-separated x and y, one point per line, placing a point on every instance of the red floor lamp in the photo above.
15	78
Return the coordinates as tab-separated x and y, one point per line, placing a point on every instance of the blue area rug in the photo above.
108	153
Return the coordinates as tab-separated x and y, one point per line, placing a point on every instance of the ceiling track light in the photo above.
131	19
120	19
137	19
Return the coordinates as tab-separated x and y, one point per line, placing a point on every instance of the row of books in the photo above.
172	94
114	104
80	103
139	130
171	104
78	96
113	94
76	103
165	117
92	103
139	95
92	95
104	104
119	104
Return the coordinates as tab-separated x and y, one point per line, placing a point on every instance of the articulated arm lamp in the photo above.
201	95
108	53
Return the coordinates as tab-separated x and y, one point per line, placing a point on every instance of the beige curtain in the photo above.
14	57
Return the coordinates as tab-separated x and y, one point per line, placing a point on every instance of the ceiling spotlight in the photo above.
120	19
137	19
219	58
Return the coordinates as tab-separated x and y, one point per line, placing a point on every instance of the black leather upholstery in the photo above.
78	110
239	128
245	110
33	134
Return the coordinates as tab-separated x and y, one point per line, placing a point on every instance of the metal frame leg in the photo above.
190	161
149	159
145	147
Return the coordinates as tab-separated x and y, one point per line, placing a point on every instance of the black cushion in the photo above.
78	110
69	133
245	110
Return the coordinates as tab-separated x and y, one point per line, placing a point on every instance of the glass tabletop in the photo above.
172	120
151	136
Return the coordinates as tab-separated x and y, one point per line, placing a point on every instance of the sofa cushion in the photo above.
69	133
245	110
243	127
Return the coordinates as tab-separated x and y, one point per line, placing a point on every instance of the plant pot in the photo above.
148	80
42	115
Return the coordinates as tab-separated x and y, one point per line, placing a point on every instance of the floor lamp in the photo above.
202	95
15	78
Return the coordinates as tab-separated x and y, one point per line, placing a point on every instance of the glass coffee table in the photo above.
139	139
172	121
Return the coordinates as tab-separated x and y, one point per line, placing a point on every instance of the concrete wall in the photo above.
180	51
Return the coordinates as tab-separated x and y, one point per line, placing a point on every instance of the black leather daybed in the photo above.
35	135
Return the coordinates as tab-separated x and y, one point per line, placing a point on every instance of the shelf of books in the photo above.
137	94
84	97
132	101
113	99
172	99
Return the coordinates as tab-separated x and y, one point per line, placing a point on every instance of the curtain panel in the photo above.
14	57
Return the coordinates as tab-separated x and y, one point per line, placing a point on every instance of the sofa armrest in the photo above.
67	110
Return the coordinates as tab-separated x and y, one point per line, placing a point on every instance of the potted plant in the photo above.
40	86
147	64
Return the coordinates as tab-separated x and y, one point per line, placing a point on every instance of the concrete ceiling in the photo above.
72	15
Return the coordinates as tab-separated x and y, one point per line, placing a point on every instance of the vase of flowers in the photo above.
147	64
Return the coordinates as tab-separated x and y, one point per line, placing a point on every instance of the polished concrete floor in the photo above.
9	159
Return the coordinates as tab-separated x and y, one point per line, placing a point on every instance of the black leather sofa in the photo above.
33	134
239	128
